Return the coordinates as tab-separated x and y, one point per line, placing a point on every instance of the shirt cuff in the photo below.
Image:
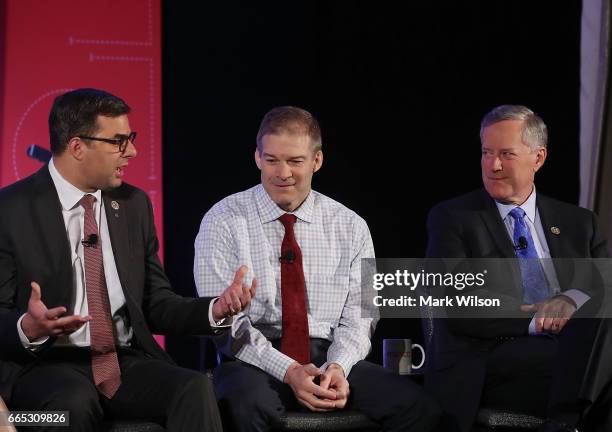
325	365
223	322
577	296
345	360
532	331
32	346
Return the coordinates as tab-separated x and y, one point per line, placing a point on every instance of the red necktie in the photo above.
104	362
295	341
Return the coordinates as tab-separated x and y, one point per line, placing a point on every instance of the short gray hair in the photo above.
535	133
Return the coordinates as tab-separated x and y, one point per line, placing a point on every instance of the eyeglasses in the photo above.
121	141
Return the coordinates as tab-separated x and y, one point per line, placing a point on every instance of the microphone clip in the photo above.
91	241
287	258
523	244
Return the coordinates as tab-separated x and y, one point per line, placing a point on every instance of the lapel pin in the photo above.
555	230
115	205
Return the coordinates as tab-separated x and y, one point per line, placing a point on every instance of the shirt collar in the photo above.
528	206
69	195
270	211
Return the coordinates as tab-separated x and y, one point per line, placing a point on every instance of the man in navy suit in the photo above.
533	364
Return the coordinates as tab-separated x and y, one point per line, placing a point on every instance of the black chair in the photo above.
487	419
294	421
131	426
325	422
495	419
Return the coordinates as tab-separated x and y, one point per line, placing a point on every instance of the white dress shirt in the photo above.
244	229
534	223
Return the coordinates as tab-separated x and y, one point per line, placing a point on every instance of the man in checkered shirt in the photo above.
244	229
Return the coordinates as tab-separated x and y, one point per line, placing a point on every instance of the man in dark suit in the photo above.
536	363
82	288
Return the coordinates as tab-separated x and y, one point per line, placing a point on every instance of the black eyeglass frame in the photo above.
121	141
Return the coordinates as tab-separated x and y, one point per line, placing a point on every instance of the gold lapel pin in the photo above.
115	205
555	230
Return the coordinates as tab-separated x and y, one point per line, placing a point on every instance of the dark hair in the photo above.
75	113
292	120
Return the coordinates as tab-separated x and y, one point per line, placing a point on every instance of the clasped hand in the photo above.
331	394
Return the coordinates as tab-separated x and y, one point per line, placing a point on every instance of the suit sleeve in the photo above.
589	277
448	237
581	274
444	236
10	343
165	311
598	243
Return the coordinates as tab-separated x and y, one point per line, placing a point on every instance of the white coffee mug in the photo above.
397	355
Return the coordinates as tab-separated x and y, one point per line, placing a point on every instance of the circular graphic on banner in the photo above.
30	142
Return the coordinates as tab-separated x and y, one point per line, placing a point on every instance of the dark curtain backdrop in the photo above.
399	89
603	195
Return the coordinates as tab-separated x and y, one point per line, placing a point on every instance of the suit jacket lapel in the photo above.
52	238
549	219
499	234
496	227
116	217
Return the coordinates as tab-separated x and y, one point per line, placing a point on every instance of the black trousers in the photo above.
566	377
251	400
153	390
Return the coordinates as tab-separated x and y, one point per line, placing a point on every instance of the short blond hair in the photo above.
292	120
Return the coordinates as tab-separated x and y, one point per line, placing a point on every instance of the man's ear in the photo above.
257	158
540	158
76	147
318	161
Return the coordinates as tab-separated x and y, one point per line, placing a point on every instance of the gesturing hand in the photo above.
314	397
236	297
40	322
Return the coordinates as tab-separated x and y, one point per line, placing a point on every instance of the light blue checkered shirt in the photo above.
243	229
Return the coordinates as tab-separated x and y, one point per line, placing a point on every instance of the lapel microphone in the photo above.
523	244
91	241
288	257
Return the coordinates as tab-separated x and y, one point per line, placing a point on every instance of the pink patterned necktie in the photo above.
295	340
104	361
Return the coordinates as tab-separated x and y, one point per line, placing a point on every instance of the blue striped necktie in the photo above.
535	286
